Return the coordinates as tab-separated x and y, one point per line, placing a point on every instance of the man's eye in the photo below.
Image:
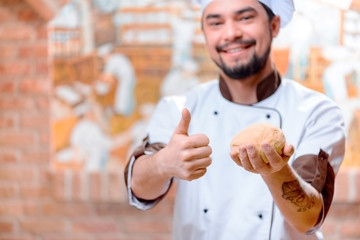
246	18
215	23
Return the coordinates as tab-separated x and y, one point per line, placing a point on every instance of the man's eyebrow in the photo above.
238	12
210	16
243	10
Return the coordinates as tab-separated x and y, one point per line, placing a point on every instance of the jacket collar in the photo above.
264	89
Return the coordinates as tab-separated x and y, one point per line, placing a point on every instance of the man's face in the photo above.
238	36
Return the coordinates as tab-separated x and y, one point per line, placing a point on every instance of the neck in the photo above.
245	91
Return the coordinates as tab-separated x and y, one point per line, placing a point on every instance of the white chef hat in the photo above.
282	8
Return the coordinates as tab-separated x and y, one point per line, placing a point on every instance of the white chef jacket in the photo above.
229	203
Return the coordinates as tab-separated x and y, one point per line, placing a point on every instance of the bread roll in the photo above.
257	134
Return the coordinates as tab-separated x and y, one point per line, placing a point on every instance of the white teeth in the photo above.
235	50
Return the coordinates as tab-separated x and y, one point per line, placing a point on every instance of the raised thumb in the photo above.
184	123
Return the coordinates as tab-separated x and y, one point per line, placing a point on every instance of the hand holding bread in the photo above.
261	148
257	134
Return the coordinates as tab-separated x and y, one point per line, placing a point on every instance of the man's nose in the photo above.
232	31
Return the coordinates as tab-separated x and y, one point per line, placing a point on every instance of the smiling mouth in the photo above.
236	46
235	50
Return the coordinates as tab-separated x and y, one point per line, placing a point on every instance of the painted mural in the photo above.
113	61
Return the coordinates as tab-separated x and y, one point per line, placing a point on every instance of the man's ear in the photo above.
275	26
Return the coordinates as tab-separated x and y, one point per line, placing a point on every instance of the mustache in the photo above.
238	41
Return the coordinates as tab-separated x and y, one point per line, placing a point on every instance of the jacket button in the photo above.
260	215
268	116
205	210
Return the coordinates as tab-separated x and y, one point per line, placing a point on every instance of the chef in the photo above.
119	73
232	195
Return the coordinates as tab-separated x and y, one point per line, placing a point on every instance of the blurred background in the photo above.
79	80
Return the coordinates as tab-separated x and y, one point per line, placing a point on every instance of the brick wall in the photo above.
25	87
38	204
343	220
35	202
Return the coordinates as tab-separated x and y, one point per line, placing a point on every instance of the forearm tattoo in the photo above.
293	192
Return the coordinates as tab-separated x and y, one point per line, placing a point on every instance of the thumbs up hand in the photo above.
185	157
183	126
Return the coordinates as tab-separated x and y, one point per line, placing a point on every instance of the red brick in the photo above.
11	3
27	15
95	226
172	192
79	186
117	189
7	87
357	187
16	173
42	32
330	226
33	51
66	209
6	226
34	191
11	209
332	237
43	103
15	32
67	238
35	156
46	11
129	237
17	139
164	209
41	226
6	15
58	185
31	209
8	156
15	68
161	238
18	103
344	210
7	121
35	86
143	237
341	187
14	208
42	67
17	238
8	191
46	177
34	121
62	2
344	238
7	51
44	137
351	228
95	187
148	226
119	209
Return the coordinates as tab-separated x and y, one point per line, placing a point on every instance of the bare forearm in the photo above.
298	201
147	182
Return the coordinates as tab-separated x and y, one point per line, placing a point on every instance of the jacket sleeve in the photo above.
321	152
159	131
144	149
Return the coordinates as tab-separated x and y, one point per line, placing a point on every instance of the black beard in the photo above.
255	65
